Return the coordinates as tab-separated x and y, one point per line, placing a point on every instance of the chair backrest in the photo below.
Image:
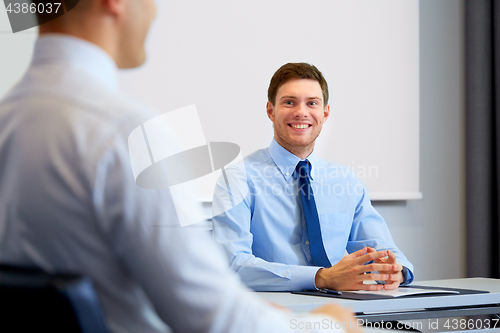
32	300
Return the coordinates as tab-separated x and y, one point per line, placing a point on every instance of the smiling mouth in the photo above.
300	126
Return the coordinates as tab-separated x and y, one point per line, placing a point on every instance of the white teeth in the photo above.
300	126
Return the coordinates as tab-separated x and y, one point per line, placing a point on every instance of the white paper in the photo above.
404	292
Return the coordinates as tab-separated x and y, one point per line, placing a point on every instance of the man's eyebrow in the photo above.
290	96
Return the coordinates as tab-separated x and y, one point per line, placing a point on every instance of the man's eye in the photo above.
289	102
314	103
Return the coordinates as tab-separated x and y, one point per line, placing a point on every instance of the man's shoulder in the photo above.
77	94
97	109
258	159
87	127
249	168
328	169
329	164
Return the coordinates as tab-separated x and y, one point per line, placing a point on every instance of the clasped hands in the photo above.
350	272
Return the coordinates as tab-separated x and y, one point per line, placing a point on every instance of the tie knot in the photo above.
302	168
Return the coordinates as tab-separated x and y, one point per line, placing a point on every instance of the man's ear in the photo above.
114	6
326	113
270	110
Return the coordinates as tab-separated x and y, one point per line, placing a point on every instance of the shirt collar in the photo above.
72	51
286	161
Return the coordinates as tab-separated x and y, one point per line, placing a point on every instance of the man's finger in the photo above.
359	253
372	277
391	256
378	268
394	269
397	267
370	256
391	286
362	252
394	277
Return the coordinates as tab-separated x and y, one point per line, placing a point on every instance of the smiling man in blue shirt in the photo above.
265	208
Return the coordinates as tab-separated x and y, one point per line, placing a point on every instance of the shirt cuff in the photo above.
303	278
407	276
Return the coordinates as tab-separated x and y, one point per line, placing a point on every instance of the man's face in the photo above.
138	18
298	114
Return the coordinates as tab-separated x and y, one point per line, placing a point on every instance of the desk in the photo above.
407	308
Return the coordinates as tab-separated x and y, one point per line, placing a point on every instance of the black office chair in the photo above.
32	300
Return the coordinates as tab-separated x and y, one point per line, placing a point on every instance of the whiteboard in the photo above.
220	56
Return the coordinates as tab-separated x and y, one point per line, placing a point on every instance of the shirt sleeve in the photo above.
370	229
232	206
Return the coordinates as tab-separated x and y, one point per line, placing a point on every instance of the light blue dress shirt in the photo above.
264	233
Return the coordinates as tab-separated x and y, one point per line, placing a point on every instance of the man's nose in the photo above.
301	111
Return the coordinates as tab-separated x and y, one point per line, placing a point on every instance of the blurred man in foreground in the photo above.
69	202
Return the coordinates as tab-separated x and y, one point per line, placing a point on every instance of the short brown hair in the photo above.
294	71
44	17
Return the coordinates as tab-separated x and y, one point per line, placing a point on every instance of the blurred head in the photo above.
138	16
297	106
120	27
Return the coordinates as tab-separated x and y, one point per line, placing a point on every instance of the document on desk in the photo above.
400	292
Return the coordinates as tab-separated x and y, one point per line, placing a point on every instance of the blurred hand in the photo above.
342	315
278	306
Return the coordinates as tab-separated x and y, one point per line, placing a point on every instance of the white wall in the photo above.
431	232
220	55
15	52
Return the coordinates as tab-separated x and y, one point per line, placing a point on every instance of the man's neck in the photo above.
102	38
301	152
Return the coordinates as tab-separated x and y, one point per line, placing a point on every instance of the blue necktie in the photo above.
316	247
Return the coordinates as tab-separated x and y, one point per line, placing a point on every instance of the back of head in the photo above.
296	71
53	14
119	27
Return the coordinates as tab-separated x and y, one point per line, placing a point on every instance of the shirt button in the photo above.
287	173
307	242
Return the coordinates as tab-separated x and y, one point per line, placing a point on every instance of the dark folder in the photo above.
362	297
